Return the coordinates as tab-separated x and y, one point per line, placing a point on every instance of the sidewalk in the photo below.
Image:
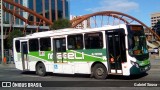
155	60
7	65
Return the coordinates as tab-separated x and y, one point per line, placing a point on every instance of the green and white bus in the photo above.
117	50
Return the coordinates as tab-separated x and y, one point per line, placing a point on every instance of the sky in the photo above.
140	9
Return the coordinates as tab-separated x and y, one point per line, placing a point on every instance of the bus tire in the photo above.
99	71
40	69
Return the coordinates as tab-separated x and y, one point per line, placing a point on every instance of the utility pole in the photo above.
1	16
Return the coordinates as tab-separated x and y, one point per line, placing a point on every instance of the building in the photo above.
155	22
84	24
155	17
51	9
8	18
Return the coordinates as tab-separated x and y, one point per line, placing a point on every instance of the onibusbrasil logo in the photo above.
21	84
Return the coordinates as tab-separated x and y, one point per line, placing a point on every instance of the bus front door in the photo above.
115	41
24	55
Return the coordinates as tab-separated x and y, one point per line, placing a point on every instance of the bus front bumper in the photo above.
140	69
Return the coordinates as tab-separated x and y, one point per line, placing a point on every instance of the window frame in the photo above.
30	45
18	51
86	35
81	40
41	45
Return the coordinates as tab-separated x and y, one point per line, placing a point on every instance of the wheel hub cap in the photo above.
100	71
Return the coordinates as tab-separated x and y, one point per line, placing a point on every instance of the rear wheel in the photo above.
40	69
99	71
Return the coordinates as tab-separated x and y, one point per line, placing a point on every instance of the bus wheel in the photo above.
99	71
40	69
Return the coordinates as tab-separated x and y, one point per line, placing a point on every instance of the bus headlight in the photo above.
135	64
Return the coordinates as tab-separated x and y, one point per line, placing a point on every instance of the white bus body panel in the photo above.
68	68
82	67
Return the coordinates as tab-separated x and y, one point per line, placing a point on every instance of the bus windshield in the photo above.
137	42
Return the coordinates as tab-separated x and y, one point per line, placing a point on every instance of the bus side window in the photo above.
45	44
93	40
60	45
17	44
75	42
33	45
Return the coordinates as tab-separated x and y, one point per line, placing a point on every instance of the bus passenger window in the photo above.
17	44
60	45
33	45
45	44
93	40
75	42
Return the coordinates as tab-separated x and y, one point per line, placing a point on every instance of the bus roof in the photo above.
62	32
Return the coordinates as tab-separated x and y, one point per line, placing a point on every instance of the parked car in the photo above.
154	50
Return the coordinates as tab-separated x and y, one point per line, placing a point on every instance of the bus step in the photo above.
115	73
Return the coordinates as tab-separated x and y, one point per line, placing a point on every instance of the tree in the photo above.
60	24
15	33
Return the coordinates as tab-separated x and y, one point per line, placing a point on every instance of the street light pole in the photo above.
2	47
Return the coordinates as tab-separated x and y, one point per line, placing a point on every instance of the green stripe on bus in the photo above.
89	55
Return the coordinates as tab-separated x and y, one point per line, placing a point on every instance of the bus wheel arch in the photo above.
99	70
40	68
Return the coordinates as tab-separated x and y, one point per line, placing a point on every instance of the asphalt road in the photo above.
10	73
